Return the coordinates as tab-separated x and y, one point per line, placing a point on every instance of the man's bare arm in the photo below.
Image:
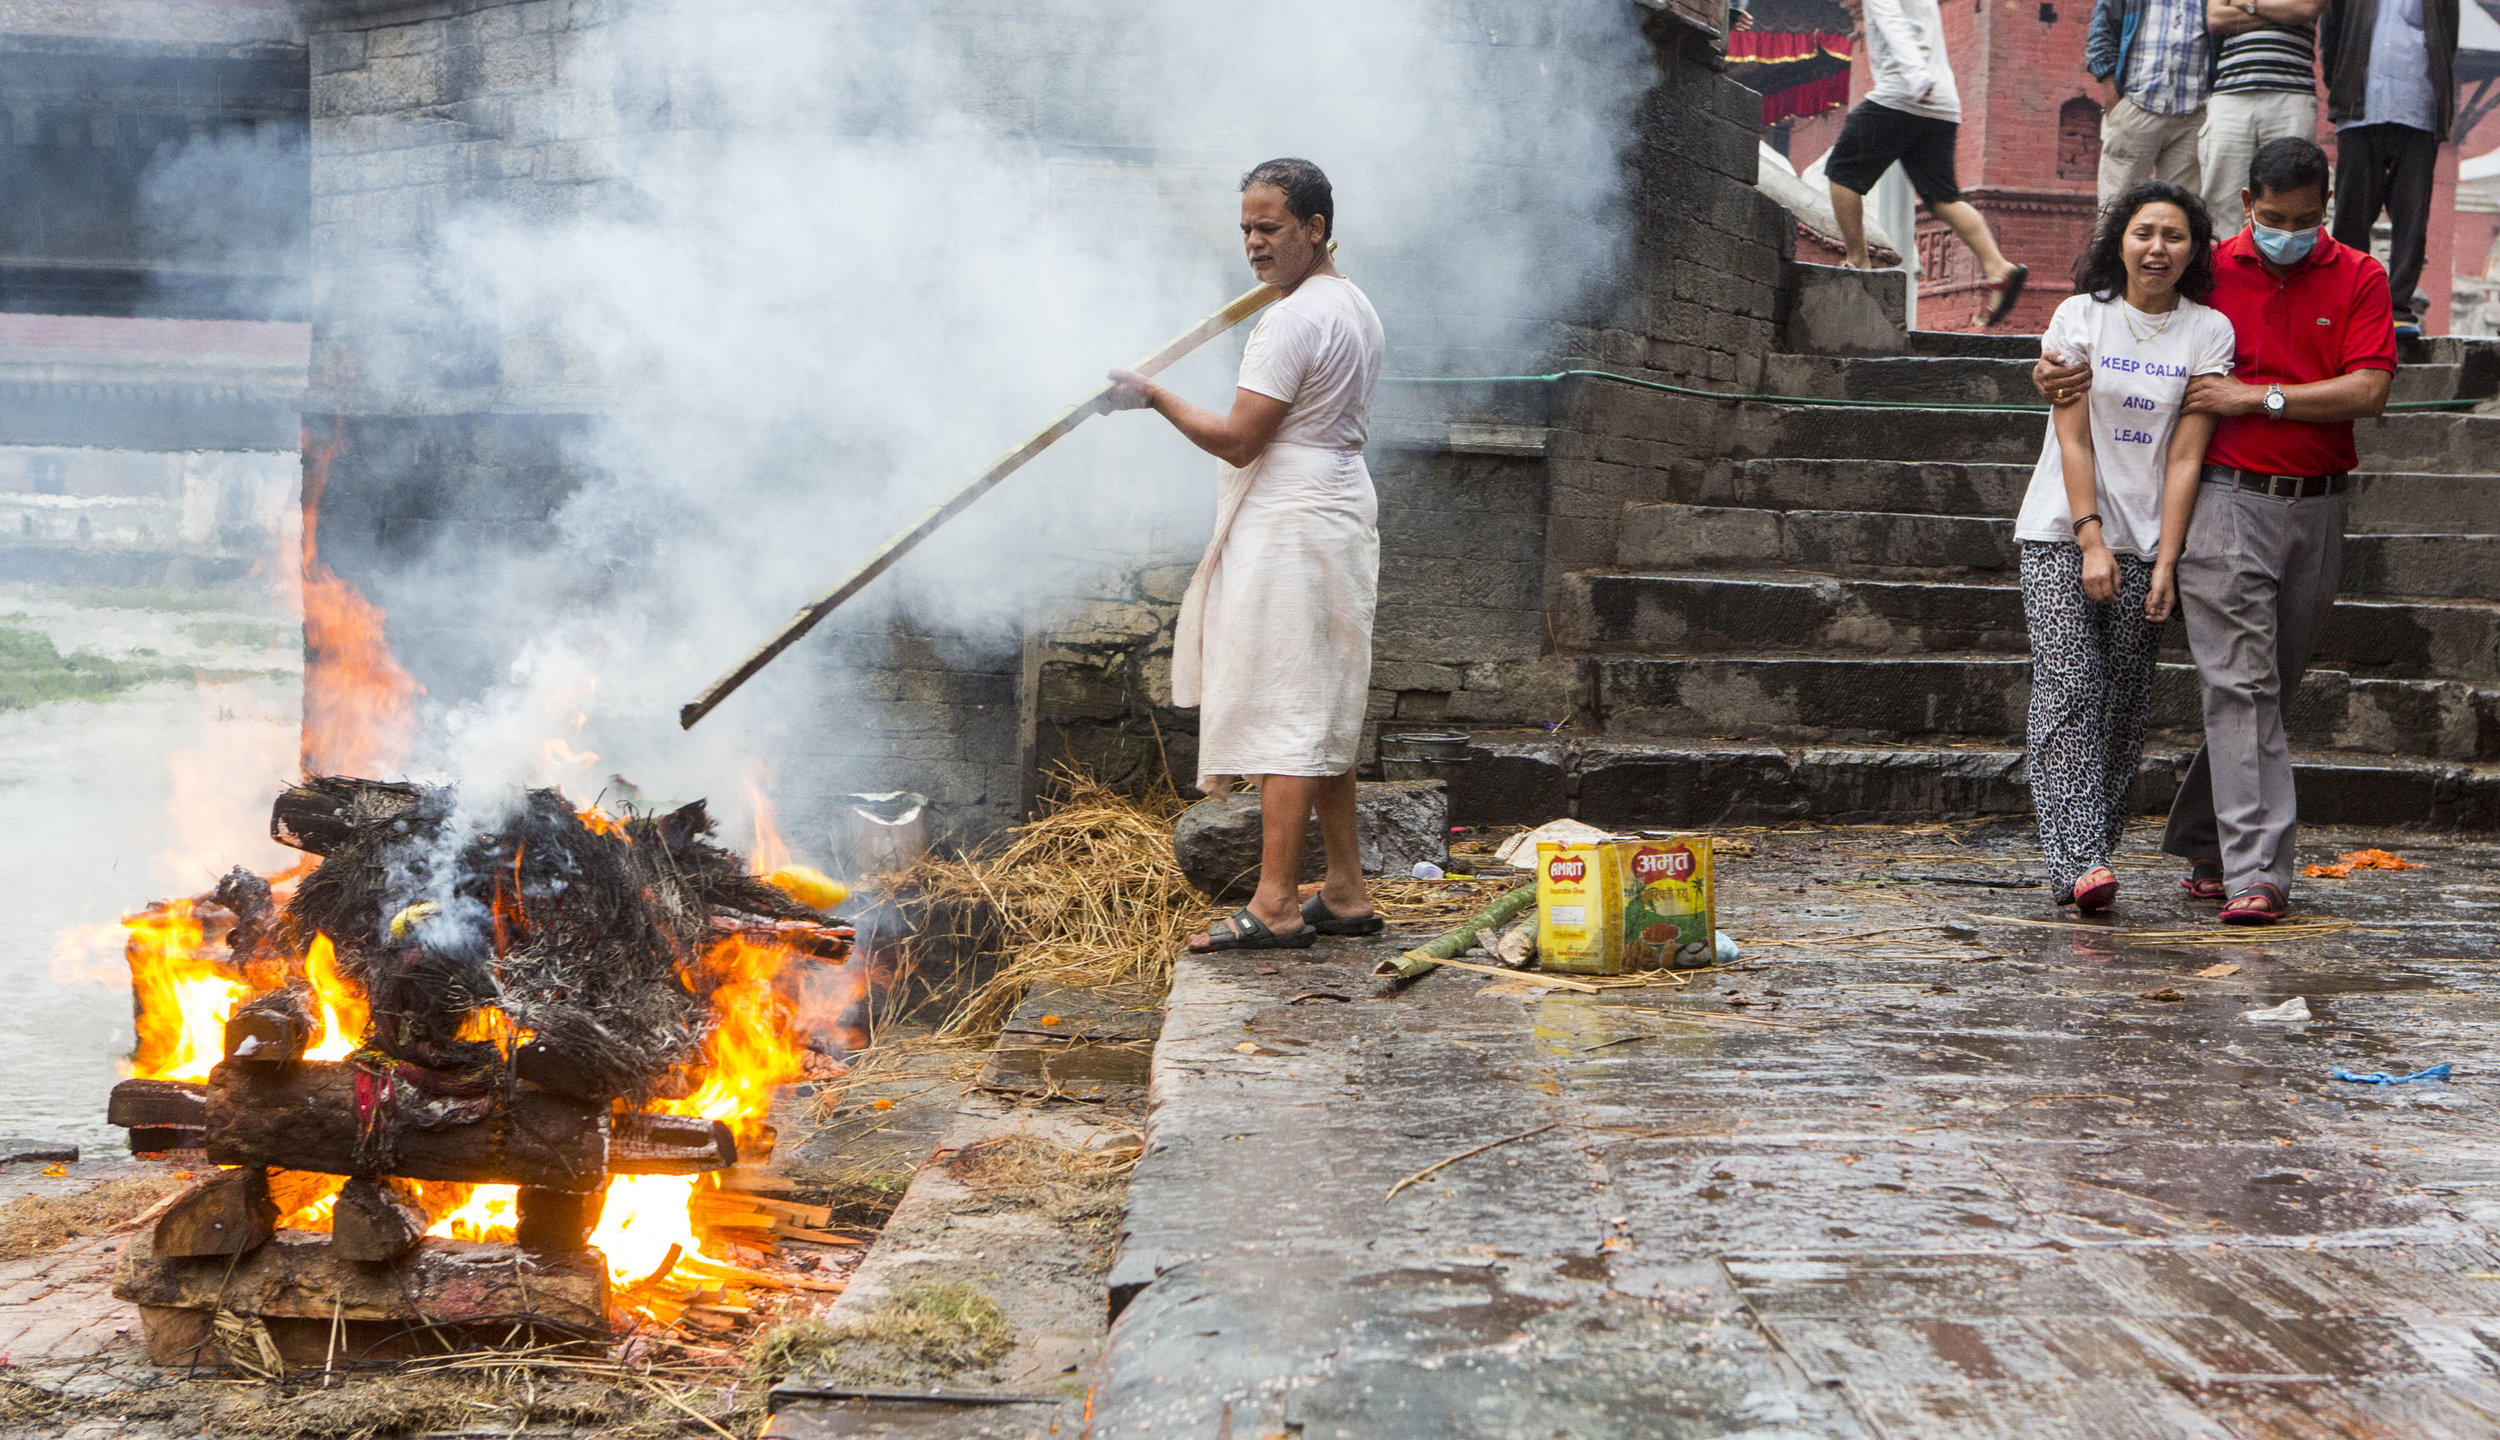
2230	17
2357	396
1237	439
2061	381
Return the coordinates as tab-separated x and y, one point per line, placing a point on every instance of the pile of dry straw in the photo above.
1085	895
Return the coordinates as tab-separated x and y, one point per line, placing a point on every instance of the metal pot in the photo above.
1423	754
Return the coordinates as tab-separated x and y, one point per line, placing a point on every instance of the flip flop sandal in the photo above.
1249	932
2259	904
2094	889
1319	917
2204	880
2009	290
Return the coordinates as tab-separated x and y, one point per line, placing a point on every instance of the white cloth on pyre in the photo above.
1275	638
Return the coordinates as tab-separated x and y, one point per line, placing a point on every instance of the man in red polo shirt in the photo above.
2265	549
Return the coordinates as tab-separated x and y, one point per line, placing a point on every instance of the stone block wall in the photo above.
1489	494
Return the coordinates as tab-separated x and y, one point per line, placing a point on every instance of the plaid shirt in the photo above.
2169	66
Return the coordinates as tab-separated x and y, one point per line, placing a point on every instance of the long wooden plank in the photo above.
884	558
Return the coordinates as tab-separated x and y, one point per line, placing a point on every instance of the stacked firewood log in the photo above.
532	981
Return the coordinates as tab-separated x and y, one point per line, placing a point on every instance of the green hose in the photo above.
1661	386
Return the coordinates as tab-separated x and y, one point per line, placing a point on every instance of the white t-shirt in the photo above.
1905	52
2137	386
1318	350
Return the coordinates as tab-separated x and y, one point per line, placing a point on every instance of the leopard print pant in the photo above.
2091	699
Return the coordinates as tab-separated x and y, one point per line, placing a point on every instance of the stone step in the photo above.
2443	444
1979	344
2478	355
1528	778
2405	504
1608	612
1985	697
1669	536
1983	380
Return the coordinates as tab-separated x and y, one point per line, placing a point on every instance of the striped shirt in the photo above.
2275	57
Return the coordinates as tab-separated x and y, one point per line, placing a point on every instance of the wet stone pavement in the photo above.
1926	1171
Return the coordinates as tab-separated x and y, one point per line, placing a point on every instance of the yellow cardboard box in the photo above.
1608	906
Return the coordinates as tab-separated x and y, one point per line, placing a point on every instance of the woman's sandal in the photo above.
1249	932
2259	904
1319	917
2009	290
2204	880
2093	890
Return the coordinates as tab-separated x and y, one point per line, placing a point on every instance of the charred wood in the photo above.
303	1276
165	1139
557	1222
270	1029
376	1221
307	1118
557	1068
255	943
229	1213
158	1104
648	1144
327	811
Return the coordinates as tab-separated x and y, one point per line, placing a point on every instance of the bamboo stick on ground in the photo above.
1532	977
1453	943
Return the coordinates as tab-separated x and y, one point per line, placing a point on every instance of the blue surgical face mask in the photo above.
2283	247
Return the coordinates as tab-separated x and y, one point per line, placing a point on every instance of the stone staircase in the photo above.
1824	621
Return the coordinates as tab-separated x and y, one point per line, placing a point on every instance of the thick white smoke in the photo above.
836	256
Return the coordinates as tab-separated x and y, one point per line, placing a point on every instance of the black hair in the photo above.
1306	190
2101	270
2282	166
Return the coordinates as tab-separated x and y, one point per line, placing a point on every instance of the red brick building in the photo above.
2030	153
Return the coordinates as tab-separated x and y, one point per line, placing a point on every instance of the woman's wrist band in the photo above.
2093	519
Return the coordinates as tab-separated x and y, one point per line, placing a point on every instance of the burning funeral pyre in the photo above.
462	1074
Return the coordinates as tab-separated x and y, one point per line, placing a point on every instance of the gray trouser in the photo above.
2255	580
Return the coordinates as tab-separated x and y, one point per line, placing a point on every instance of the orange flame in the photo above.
340	1009
756	1043
182	997
768	853
358	717
489	1213
756	1046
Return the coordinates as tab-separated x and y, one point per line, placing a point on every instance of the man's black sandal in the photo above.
1248	932
1316	913
2204	880
2259	904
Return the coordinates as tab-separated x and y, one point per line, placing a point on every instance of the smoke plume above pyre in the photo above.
808	267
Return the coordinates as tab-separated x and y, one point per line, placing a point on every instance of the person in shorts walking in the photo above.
1912	117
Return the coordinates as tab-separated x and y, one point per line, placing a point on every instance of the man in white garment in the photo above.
1274	642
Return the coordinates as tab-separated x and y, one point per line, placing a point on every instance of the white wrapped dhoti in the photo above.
1275	637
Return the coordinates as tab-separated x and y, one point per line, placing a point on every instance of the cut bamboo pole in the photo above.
1453	943
883	559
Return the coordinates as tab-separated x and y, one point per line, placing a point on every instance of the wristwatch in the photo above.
2274	402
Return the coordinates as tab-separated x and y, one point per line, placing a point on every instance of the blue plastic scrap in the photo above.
2381	1077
